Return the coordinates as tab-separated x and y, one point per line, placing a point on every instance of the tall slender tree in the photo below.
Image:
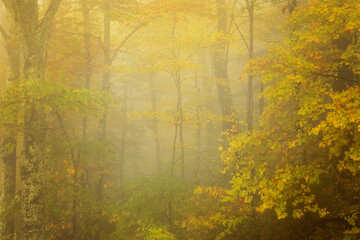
250	98
155	123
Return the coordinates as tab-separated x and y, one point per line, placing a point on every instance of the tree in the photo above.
250	105
220	67
155	123
33	36
9	144
297	173
287	166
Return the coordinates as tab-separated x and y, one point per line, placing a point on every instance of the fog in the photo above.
179	119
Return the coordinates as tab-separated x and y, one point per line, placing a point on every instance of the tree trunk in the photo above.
87	57
124	127
155	124
292	4
105	88
107	64
34	143
198	134
178	128
173	160
179	112
9	144
32	50
32	41
345	75
181	132
76	229
261	100
9	160
250	98
220	68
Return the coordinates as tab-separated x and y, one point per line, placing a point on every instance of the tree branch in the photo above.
45	23
242	36
11	7
196	49
125	40
4	34
336	77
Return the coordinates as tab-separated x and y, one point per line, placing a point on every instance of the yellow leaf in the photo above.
70	171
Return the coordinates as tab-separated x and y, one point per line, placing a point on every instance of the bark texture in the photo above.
32	41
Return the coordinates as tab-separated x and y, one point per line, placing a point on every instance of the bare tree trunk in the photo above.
250	98
87	56
107	64
179	113
173	159
198	134
155	124
107	61
181	134
178	128
106	88
124	129
211	132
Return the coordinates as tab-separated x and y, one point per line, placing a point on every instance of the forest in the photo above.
179	119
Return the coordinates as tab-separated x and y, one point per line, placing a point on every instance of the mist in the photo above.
179	119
